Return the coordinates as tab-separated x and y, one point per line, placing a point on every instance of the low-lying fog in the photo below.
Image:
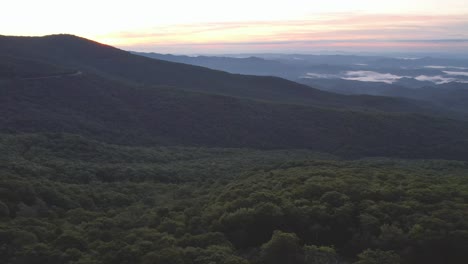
386	77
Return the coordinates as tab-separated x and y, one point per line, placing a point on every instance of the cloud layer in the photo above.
372	76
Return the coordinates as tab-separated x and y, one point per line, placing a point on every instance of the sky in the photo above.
248	26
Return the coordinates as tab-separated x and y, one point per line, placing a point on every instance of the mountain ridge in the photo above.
82	54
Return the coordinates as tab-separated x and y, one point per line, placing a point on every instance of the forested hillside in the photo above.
120	113
65	199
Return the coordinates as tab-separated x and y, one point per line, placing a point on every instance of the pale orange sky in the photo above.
207	26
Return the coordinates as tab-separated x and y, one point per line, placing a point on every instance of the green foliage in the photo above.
223	205
282	248
4	210
320	255
378	257
165	256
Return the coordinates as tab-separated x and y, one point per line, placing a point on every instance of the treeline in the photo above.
75	159
224	206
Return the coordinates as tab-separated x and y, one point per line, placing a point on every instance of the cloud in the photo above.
371	76
445	67
435	79
313	75
436	67
456	73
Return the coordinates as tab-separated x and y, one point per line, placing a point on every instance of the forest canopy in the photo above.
67	199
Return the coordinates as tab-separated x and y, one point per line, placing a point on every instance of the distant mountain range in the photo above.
440	81
67	84
422	71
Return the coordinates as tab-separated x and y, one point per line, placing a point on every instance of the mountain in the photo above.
294	66
100	105
245	65
88	56
327	73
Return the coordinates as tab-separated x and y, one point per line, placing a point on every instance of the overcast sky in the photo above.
207	26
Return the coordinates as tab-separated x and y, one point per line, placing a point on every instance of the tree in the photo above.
378	256
4	210
319	255
334	198
391	236
282	248
165	256
71	239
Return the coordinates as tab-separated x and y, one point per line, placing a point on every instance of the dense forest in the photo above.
66	199
109	157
